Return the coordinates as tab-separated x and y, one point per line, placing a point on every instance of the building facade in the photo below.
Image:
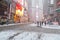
35	9
58	11
49	7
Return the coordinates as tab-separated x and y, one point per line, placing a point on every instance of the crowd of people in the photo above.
41	23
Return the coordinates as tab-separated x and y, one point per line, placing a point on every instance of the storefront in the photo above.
21	14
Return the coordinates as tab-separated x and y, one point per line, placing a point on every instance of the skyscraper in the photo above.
35	8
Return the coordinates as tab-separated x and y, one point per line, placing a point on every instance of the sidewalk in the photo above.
14	24
51	26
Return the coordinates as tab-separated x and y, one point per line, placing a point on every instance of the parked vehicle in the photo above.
3	20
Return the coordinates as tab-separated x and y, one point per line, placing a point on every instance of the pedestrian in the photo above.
42	22
45	22
38	23
7	22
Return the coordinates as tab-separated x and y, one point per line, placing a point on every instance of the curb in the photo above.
14	24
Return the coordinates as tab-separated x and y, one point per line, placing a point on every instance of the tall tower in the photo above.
35	8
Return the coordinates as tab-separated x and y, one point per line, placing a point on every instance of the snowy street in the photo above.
9	35
29	19
29	32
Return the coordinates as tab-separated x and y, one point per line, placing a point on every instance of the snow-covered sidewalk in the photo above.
36	36
46	26
51	26
14	24
33	25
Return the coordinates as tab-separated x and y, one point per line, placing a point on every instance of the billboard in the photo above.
19	1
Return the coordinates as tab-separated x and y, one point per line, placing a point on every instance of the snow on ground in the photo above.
47	36
51	26
4	35
12	24
46	26
34	36
26	36
33	25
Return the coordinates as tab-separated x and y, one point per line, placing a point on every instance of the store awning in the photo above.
58	10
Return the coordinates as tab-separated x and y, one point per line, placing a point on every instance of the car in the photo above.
3	20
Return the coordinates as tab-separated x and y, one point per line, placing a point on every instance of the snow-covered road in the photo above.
5	35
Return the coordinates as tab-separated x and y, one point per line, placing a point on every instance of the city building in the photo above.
3	11
49	7
58	11
35	10
21	8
